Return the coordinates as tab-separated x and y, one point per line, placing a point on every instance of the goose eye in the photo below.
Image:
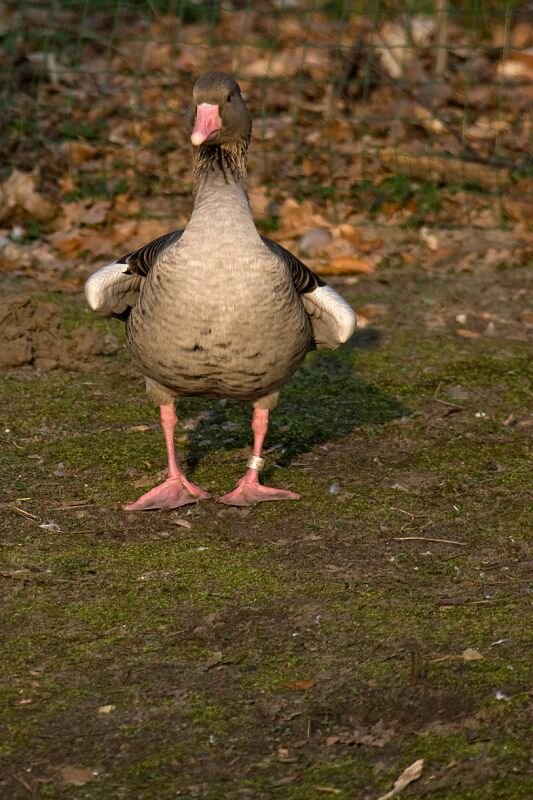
229	98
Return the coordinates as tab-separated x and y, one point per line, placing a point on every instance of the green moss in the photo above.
129	609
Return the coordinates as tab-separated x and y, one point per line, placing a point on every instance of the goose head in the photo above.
218	114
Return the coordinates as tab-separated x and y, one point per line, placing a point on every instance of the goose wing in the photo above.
113	290
332	318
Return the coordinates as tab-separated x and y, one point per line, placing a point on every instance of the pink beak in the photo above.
207	123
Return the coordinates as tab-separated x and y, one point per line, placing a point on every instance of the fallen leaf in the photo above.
372	310
183	523
301	685
213	661
412	773
106	709
19	192
298	217
345	265
429	239
471	655
84	212
358	239
68	243
78	152
285	756
467	334
517	65
77	776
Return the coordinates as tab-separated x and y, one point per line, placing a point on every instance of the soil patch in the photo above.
32	334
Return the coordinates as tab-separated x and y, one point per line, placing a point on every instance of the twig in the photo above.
441	58
427	539
73	505
452	405
444	402
444	603
23	513
407	513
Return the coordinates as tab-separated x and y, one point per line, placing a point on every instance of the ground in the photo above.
294	650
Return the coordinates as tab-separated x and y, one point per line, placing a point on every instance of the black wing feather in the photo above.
142	260
305	280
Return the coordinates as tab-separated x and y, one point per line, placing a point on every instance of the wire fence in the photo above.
405	111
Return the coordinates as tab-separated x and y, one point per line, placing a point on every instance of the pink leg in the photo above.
248	490
176	491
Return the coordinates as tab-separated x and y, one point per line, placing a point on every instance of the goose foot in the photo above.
173	493
249	491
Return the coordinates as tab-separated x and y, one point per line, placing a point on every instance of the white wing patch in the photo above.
110	290
332	317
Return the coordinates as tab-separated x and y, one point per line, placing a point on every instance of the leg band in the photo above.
255	462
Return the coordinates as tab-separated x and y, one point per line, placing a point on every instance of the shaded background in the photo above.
376	116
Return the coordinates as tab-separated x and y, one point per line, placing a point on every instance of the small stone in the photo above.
314	241
111	344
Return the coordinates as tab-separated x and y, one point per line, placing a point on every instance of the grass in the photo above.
200	636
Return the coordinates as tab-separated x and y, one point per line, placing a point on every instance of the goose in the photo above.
216	310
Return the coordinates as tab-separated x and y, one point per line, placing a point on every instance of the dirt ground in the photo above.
297	650
291	651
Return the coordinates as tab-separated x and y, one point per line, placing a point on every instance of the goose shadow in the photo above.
324	401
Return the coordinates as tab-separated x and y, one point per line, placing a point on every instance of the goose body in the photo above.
218	314
215	309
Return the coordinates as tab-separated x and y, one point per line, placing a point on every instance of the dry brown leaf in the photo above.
106	709
214	661
84	212
467	334
346	265
129	206
372	310
517	65
183	523
301	685
120	238
77	152
77	776
296	217
471	655
68	243
254	62
430	240
358	239
19	192
156	55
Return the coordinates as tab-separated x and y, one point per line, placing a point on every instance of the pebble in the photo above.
314	241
